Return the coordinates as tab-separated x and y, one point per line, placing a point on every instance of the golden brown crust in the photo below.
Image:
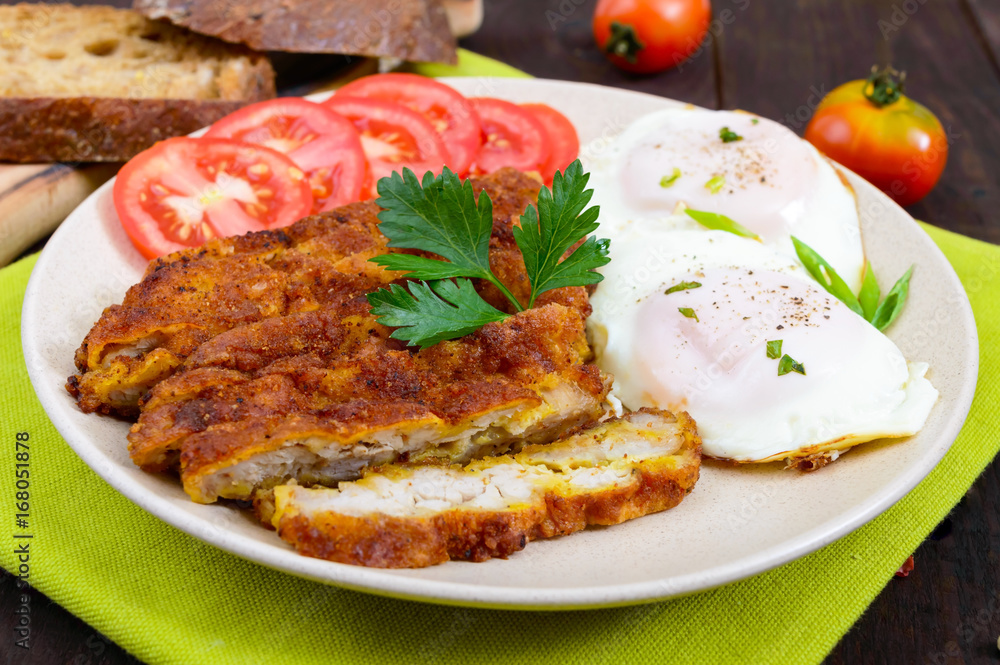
386	541
256	359
415	30
345	393
190	297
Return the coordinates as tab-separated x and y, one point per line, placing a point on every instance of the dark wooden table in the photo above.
777	58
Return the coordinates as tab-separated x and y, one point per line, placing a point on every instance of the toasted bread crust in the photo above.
101	84
415	30
98	129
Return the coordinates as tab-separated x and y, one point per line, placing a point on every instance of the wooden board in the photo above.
35	198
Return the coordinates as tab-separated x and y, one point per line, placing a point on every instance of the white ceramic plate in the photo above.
736	523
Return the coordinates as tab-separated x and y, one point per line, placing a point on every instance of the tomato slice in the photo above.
184	191
392	137
563	140
323	144
451	114
512	137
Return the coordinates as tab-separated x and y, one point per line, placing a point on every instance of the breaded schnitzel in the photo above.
404	516
252	361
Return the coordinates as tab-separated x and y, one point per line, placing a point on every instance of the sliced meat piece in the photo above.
187	298
408	516
317	398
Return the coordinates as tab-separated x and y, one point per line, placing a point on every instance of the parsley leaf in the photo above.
787	364
558	223
728	136
774	349
688	312
439	215
432	312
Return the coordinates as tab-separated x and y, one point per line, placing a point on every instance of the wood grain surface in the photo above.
777	57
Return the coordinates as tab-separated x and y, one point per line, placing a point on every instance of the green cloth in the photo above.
469	64
169	598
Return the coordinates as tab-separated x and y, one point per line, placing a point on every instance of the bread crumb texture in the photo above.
95	51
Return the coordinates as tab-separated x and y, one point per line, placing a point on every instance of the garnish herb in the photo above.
866	302
688	312
431	312
728	136
824	273
716	184
754	121
683	286
717	222
441	216
774	349
787	364
893	303
869	294
669	180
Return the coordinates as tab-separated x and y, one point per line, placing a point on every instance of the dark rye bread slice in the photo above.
100	84
415	30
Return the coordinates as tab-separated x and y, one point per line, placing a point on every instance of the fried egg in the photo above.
683	320
751	169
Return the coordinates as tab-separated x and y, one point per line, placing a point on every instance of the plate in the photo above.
738	521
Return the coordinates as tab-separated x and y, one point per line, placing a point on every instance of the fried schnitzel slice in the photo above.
187	298
316	397
406	516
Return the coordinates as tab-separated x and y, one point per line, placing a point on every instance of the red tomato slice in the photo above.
563	140
183	192
392	137
512	137
323	144
452	115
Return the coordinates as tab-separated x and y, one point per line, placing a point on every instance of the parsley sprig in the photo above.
440	215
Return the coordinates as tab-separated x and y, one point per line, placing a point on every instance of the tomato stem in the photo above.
624	42
882	88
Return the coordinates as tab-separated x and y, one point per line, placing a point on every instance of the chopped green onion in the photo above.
717	222
669	180
688	312
774	349
786	365
728	136
683	286
716	184
869	294
824	273
893	303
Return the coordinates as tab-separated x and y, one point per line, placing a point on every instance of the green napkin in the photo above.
169	598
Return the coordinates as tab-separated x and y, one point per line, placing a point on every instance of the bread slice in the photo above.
102	84
415	30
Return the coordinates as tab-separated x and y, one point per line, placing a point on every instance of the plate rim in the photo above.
384	583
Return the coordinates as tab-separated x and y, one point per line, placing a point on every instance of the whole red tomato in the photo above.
647	36
888	139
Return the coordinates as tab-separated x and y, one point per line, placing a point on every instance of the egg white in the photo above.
774	183
857	384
